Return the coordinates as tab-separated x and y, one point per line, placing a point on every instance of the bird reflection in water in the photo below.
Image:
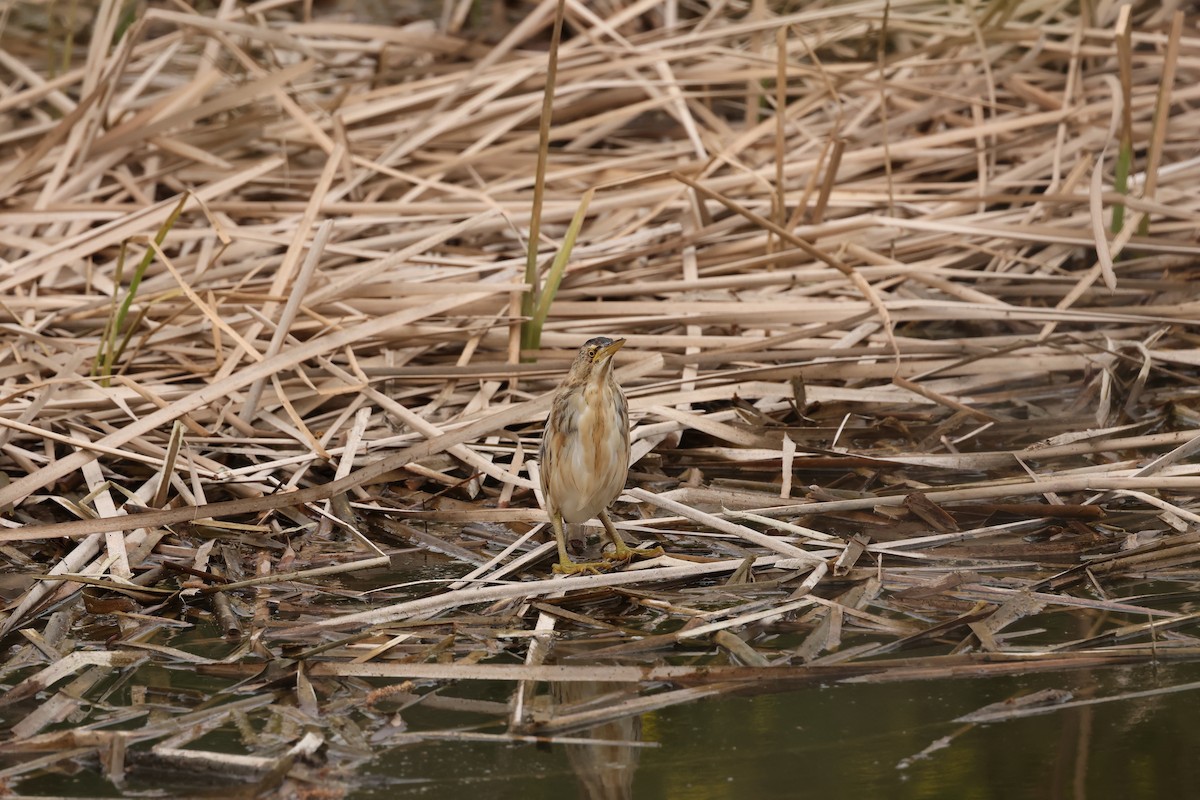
604	771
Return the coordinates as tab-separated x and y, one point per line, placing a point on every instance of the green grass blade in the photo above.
117	321
107	346
1121	184
557	269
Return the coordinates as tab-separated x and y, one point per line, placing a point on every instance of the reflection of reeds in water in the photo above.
605	771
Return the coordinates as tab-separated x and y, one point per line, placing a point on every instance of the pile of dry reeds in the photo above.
909	294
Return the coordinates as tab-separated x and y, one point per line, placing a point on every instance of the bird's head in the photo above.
594	359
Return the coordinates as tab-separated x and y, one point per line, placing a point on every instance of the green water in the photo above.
847	740
843	740
855	741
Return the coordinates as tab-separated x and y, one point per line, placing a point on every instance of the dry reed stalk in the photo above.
897	378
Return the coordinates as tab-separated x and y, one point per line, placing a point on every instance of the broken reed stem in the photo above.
532	295
1162	110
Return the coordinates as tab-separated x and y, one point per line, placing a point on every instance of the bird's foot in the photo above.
569	567
626	553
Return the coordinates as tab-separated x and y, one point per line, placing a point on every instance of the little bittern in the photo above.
584	458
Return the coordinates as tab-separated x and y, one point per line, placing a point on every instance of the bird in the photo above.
584	456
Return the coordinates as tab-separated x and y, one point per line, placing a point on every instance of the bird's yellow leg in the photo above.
622	551
565	565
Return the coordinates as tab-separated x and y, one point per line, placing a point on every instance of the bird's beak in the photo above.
607	352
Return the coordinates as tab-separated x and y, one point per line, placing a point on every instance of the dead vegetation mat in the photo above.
909	290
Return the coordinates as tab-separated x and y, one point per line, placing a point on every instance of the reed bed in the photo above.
908	289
